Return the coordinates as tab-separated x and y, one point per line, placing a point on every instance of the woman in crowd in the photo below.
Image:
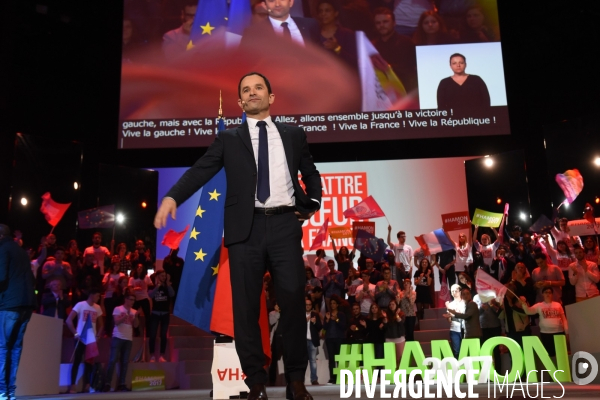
343	258
455	324
466	95
376	329
562	257
466	282
352	283
122	258
423	279
590	247
552	319
74	257
431	30
311	281
140	281
463	252
408	298
109	284
341	42
161	297
476	29
394	327
486	247
335	333
119	293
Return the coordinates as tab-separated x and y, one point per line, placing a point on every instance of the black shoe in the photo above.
315	382
106	388
297	391
257	392
122	388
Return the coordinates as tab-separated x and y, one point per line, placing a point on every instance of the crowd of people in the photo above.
395	28
376	301
108	288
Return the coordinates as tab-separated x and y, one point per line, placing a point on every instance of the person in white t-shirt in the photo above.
82	311
563	233
140	281
552	319
456	324
486	247
100	252
365	294
402	251
126	318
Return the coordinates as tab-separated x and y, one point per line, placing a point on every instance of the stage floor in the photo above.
327	392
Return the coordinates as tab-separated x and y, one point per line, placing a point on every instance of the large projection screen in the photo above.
385	74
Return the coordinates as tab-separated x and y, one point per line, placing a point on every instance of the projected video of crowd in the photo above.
344	70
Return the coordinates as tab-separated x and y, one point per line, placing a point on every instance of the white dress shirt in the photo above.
294	30
280	180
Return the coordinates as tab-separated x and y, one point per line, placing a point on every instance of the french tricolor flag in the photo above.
434	242
88	337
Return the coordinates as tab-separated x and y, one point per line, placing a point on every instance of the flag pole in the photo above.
52	230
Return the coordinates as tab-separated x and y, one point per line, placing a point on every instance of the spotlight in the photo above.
597	161
566	203
523	216
75	185
488	162
23	201
144	205
499	200
120	218
597	200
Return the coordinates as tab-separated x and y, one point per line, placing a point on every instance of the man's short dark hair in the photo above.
61	248
540	256
384	11
317	289
93	290
97	233
400	233
458	55
385	269
548	288
577	246
267	83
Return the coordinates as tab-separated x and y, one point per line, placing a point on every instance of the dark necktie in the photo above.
286	31
263	190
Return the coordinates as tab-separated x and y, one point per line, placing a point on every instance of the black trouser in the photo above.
488	333
333	346
87	368
409	328
145	304
276	241
547	340
155	320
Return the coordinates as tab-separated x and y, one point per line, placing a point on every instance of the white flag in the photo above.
488	288
374	97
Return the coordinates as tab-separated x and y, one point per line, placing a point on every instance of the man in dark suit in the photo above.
281	23
264	209
17	301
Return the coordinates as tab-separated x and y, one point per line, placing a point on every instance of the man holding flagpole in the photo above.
264	210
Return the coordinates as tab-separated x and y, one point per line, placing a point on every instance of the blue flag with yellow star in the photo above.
210	15
198	281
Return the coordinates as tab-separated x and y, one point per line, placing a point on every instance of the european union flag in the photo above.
240	14
543	225
198	281
210	15
370	245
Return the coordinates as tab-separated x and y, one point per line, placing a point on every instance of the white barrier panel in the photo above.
227	376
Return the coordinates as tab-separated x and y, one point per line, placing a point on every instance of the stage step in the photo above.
196	381
196	366
191	341
434	313
434	324
429	335
187	354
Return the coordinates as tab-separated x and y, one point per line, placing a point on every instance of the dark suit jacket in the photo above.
315	329
258	32
50	306
16	277
233	150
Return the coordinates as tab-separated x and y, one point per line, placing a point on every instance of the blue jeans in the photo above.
455	340
119	348
312	360
12	331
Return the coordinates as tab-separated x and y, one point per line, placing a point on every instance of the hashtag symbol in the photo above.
349	358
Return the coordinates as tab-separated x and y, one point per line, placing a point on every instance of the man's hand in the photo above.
301	217
168	206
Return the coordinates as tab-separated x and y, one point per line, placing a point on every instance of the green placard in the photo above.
147	379
486	218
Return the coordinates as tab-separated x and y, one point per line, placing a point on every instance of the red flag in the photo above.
368	208
172	238
222	317
321	236
52	210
